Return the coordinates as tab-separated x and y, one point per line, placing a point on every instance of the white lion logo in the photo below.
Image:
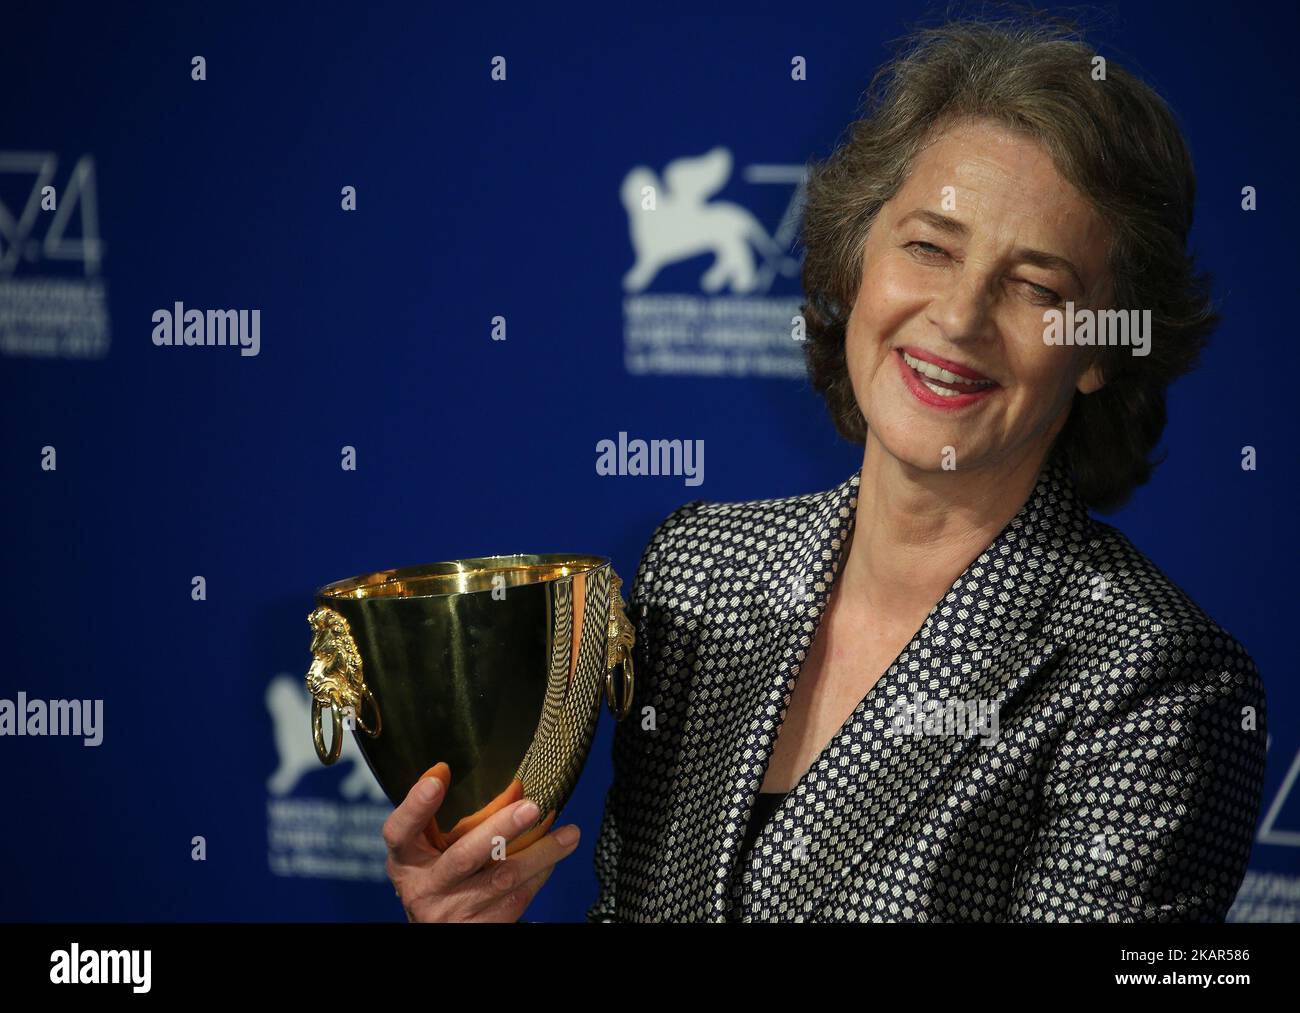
683	225
290	709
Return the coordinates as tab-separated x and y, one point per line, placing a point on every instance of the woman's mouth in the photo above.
938	384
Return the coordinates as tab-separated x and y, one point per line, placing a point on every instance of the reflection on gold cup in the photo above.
486	673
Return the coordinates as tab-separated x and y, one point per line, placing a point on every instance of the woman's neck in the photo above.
915	531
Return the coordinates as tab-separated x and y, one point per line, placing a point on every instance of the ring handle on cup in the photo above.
622	636
317	735
336	742
335	681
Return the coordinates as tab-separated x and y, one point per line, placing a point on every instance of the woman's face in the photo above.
959	267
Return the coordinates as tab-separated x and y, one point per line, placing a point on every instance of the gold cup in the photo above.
486	673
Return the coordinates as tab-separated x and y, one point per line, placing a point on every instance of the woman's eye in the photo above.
1042	294
926	249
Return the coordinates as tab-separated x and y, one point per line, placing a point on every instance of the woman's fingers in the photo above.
404	828
473	851
518	877
473	880
512	906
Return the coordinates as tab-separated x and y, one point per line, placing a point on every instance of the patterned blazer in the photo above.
1123	782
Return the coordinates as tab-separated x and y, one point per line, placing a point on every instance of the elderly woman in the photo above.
939	691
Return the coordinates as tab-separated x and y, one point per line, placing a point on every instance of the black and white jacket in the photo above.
1123	783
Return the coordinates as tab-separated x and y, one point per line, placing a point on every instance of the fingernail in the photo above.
526	814
569	835
429	789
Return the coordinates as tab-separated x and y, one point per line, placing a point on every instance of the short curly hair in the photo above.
1114	139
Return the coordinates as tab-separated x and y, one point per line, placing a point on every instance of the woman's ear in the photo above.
1092	380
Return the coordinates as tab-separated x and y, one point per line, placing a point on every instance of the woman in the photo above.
940	690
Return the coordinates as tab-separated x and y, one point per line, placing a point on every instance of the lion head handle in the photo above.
335	680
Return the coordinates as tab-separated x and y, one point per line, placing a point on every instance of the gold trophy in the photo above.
486	673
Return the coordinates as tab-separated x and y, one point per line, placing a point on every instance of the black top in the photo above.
765	805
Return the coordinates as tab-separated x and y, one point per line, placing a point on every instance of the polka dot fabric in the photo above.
1122	784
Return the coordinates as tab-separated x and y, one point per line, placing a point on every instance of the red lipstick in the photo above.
919	385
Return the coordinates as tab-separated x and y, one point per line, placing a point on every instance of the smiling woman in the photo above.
785	647
995	180
968	289
1000	163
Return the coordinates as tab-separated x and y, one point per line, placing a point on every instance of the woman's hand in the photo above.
464	883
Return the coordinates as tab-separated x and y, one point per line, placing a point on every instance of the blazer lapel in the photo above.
978	643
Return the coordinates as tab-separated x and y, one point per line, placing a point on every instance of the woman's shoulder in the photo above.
702	531
1130	610
777	511
1121	577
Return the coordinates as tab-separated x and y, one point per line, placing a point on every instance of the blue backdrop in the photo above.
129	469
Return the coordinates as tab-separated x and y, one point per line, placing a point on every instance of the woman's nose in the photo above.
960	310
